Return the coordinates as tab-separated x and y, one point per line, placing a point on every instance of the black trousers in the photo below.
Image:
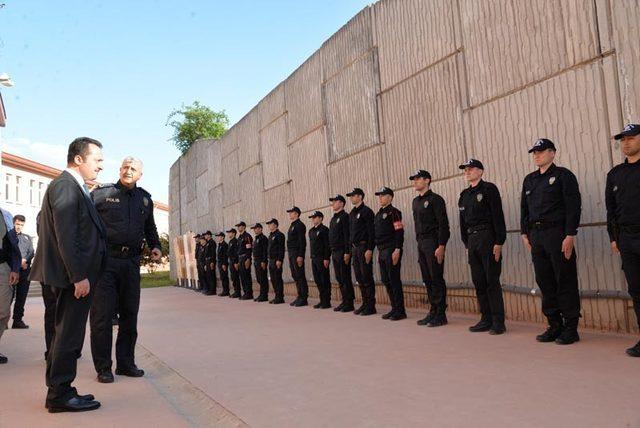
485	274
235	279
342	272
276	279
121	281
224	277
390	275
432	274
202	277
245	276
49	299
322	278
70	322
210	278
262	278
364	276
556	276
299	276
21	290
629	246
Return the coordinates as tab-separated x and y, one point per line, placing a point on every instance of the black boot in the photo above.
569	333
388	315
553	331
339	307
634	351
483	325
439	319
360	309
498	327
426	320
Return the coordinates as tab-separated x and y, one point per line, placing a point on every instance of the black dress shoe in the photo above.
482	325
317	306
398	317
347	308
368	311
301	302
498	328
261	299
438	320
130	372
74	404
339	307
325	306
359	310
277	301
295	302
226	293
3	359
105	376
235	296
426	320
19	324
86	397
388	315
634	351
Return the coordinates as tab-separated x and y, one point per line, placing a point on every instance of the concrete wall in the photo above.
410	84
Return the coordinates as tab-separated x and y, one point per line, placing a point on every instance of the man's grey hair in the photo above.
131	159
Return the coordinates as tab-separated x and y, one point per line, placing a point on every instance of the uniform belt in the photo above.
479	228
630	228
541	225
359	243
123	251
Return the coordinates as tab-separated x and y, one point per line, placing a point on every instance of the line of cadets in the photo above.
550	216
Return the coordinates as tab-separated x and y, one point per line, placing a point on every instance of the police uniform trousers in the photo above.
224	278
485	274
364	276
629	246
321	277
299	276
245	276
276	280
202	277
210	278
390	276
342	272
21	290
556	276
121	281
262	278
49	299
235	279
432	274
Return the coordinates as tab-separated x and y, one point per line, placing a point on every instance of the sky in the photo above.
114	70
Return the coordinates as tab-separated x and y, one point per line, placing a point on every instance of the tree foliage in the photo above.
151	264
191	123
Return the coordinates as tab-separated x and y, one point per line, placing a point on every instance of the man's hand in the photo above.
156	254
497	252
527	244
567	246
224	268
13	278
326	264
395	256
82	288
347	257
278	264
439	253
24	264
299	261
213	266
614	247
247	264
368	255
263	265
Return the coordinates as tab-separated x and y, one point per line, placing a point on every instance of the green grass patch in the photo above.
156	279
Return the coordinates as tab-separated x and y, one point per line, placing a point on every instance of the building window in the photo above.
32	190
40	192
7	186
18	181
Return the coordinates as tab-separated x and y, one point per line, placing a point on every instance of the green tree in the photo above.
191	123
151	264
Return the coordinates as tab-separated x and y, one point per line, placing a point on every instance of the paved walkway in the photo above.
221	362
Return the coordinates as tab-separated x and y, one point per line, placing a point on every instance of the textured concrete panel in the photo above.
201	155
216	211
569	110
308	167
422	121
351	108
248	140
214	159
229	142
303	98
202	195
626	33
271	106
276	201
232	215
412	34
362	170
230	179
252	191
275	165
191	167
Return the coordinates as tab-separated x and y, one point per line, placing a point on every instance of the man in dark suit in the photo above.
70	259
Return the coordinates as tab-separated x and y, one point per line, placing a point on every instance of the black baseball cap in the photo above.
421	173
232	230
294	210
220	234
542	144
630	130
208	232
472	163
242	223
256	226
273	221
356	191
316	214
198	236
384	191
338	198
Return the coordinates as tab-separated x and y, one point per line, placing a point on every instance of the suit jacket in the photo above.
71	244
10	242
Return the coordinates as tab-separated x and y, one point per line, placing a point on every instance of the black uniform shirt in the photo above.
622	197
551	198
223	253
430	217
296	239
260	248
361	226
199	254
481	207
389	230
245	244
233	250
319	242
339	238
276	246
210	251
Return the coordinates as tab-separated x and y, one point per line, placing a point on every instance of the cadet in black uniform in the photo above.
260	260
127	212
362	237
199	255
245	245
320	256
389	232
622	196
276	258
339	241
233	263
549	220
297	248
210	264
483	232
432	234
222	257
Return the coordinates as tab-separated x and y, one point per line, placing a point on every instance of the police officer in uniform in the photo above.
275	251
209	264
222	257
260	262
233	263
622	196
297	248
127	212
362	237
483	232
549	220
320	256
199	255
389	235
339	241
245	246
432	234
